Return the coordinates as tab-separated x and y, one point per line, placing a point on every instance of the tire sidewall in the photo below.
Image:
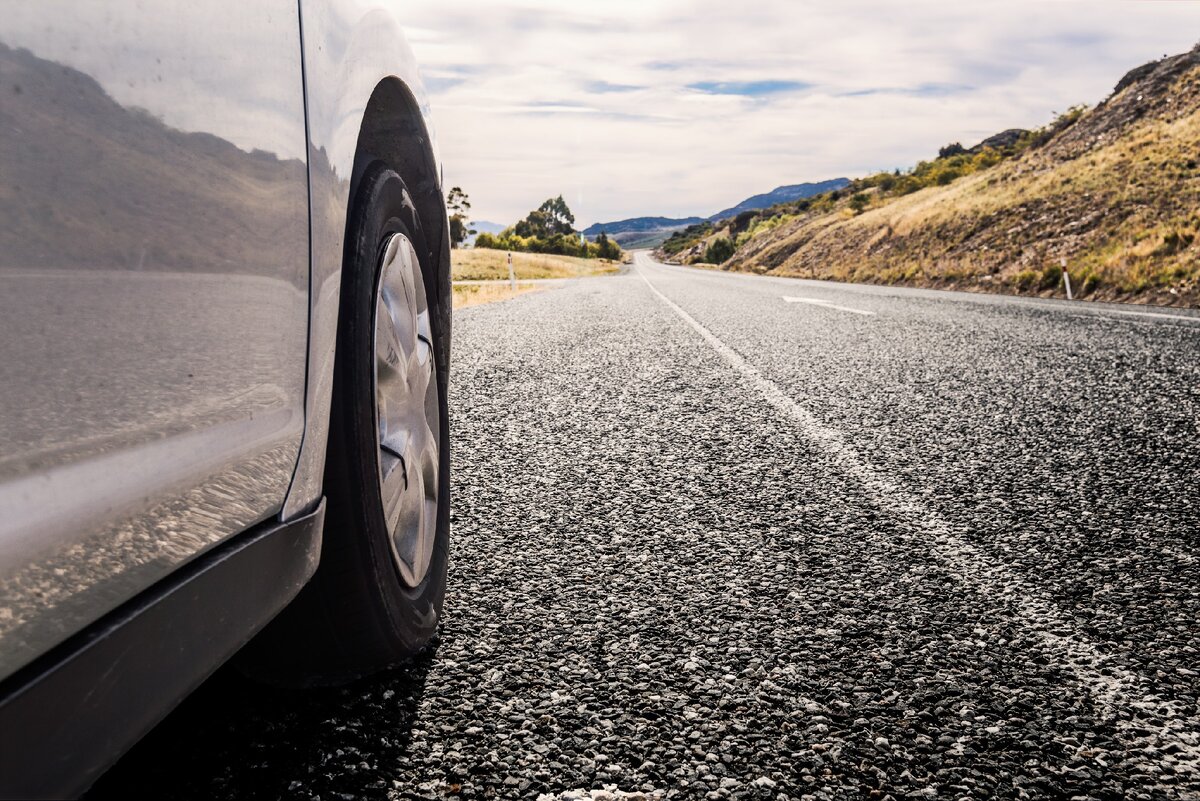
410	614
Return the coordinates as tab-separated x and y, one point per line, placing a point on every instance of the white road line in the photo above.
1174	323
825	304
1188	317
1115	689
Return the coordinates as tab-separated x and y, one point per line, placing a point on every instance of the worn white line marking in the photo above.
1188	317
1102	314
825	304
1172	323
1115	689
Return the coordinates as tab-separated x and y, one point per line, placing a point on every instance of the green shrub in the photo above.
606	248
1027	279
1173	242
742	221
946	176
680	241
1051	276
719	251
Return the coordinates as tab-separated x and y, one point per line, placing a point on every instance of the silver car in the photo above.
225	309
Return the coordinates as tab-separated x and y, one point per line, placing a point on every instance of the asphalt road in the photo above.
711	542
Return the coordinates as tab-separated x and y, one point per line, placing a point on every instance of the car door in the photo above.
153	295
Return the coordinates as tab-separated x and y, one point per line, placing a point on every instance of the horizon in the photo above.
624	110
681	217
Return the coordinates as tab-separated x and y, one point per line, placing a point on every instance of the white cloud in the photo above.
598	100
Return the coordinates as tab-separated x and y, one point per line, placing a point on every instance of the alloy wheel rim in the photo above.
407	411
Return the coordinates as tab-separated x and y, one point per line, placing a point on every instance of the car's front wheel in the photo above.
377	594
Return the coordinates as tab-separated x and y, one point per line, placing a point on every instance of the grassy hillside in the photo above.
1114	192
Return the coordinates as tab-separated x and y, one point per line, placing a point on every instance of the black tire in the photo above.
357	615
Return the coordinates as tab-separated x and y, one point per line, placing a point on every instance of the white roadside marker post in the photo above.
512	276
1066	277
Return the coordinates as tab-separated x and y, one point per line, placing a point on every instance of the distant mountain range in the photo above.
485	227
640	225
781	194
649	231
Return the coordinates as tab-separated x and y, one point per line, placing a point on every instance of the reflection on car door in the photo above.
153	293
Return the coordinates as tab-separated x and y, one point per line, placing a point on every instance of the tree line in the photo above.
550	228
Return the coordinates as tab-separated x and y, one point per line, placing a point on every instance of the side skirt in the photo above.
68	716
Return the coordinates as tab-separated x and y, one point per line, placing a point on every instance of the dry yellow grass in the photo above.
470	264
1106	170
474	294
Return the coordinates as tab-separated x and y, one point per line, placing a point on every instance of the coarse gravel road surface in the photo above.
723	536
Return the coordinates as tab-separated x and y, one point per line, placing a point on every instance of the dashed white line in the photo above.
1121	694
825	304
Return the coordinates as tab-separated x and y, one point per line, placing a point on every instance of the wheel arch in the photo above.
393	131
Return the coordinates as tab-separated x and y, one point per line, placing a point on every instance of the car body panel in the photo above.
351	48
154	293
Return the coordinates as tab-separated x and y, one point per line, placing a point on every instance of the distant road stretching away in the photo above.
745	537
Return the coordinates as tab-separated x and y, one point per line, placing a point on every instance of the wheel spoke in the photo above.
396	440
421	368
389	351
393	489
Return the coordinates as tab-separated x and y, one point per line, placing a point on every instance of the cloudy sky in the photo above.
638	107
